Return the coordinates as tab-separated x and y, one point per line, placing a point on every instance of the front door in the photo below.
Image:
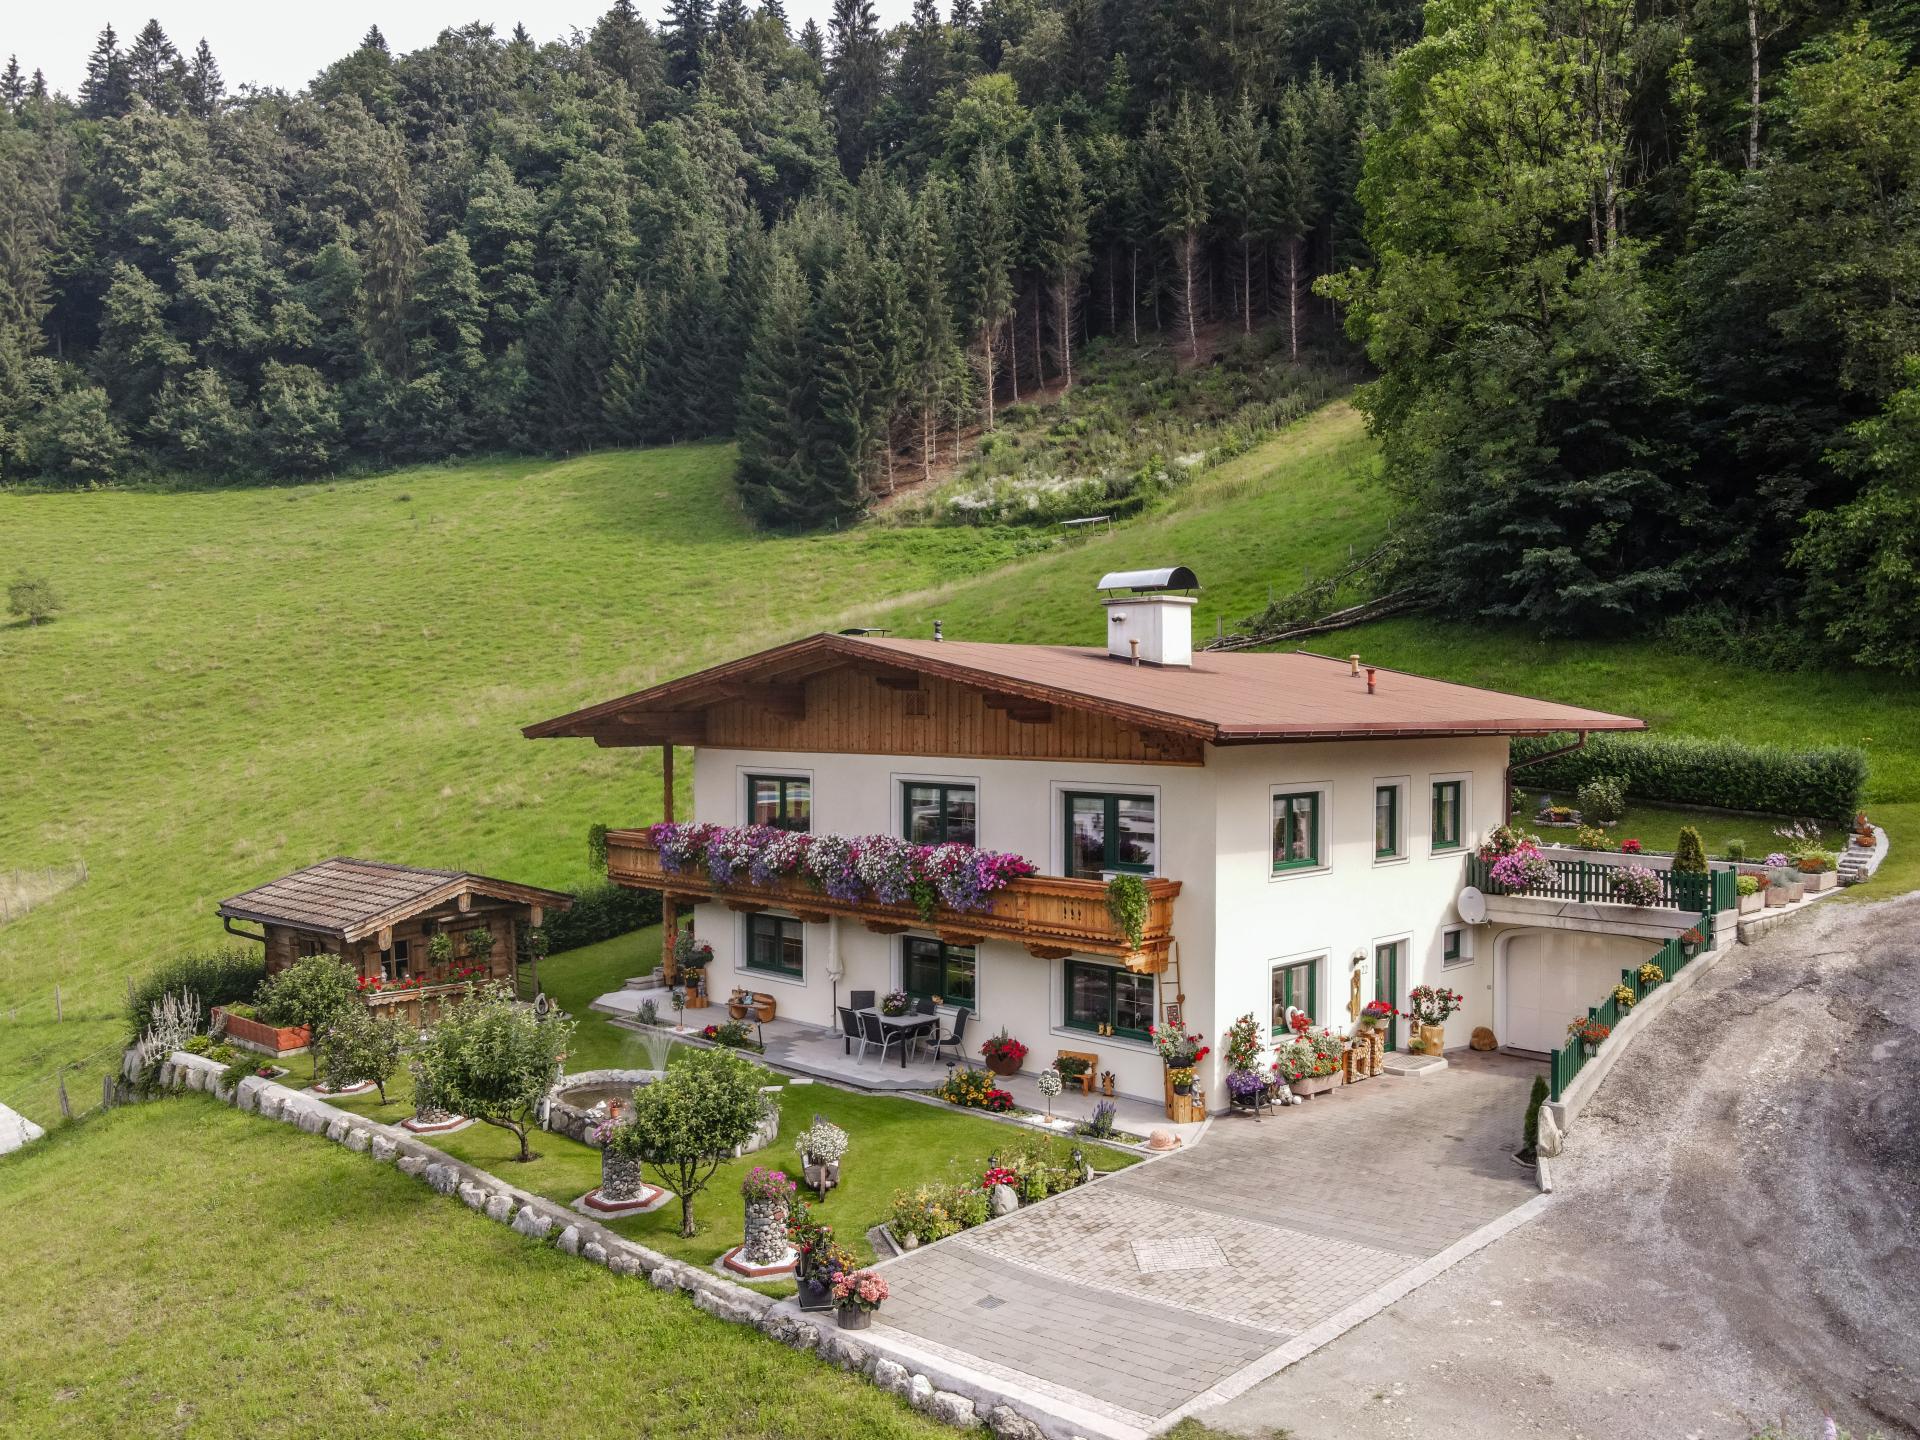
1386	984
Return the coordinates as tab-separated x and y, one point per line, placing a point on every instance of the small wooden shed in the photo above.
382	920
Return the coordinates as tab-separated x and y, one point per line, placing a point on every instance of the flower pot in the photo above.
1311	1085
1796	892
852	1317
1002	1065
814	1293
1824	880
1431	1039
1183	1088
1587	1049
1776	896
820	1178
1754	902
1374	1022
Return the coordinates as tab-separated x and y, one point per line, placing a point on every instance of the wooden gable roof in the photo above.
352	899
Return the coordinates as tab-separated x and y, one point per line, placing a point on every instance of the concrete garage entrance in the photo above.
1184	1281
1543	978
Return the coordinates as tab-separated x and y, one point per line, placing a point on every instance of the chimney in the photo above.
1369	679
1148	624
936	631
1353	661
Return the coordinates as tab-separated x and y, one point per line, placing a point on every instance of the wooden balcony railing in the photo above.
1051	915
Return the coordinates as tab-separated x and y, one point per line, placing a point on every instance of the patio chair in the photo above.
861	999
955	1037
881	1035
932	1027
850	1031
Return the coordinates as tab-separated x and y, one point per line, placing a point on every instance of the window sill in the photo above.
1295	872
1448	852
1462	964
778	977
1088	1037
1381	862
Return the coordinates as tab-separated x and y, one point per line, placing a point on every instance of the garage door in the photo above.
1550	976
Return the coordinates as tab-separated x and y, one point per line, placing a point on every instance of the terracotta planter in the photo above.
1002	1065
852	1317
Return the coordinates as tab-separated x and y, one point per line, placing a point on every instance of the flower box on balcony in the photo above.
1053	916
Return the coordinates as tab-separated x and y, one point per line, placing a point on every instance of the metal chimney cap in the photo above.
1174	577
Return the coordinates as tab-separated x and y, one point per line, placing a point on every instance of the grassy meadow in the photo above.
196	1271
247	680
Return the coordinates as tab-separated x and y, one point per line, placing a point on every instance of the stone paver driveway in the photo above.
1124	1301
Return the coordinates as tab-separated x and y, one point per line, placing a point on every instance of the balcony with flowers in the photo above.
962	893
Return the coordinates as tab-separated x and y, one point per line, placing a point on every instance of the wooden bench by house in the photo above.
1089	1076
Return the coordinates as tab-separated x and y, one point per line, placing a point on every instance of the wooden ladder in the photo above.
1172	976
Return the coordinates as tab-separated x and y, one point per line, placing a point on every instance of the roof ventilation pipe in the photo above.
936	631
1147	622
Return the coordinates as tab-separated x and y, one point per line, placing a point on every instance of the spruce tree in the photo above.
624	400
392	251
685	31
983	262
1293	202
856	76
155	71
850	416
1246	192
105	90
1059	225
773	468
205	87
1187	157
813	42
932	362
13	86
374	40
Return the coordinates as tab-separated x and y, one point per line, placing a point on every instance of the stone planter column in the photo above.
620	1182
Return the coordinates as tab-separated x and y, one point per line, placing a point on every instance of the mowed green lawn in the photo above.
249	680
196	1271
245	681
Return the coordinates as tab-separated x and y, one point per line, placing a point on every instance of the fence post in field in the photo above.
66	1106
58	1012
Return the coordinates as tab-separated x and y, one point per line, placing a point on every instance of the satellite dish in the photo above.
1472	906
542	1007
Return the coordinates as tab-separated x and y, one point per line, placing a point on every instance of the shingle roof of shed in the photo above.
354	898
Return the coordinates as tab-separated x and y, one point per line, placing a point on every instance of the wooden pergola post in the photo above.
669	912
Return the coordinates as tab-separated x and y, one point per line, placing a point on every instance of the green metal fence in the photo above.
1670	957
1593	882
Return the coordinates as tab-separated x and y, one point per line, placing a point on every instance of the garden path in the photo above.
1124	1302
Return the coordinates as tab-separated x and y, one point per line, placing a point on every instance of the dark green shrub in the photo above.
600	912
1530	1132
597	848
215	977
1689	855
1602	799
1822	782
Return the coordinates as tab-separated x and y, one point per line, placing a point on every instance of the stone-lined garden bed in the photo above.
955	1396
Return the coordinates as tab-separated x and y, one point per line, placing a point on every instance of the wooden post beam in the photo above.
669	912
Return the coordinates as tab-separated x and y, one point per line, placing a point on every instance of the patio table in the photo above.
901	1022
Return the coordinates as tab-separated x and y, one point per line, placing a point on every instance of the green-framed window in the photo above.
782	801
1386	822
1453	946
775	946
1447	830
1111	997
1295	984
1296	831
934	970
933	814
1110	832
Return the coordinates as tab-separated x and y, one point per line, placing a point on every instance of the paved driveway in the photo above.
1124	1301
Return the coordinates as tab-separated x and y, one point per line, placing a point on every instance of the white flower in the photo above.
1049	1082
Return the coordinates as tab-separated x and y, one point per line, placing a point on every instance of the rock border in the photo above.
962	1399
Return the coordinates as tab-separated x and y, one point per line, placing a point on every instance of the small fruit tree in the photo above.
495	1060
363	1047
314	991
688	1124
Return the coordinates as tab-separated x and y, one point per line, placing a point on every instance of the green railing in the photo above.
1594	882
1670	957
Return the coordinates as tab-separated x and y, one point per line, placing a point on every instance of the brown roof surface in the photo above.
1225	697
354	898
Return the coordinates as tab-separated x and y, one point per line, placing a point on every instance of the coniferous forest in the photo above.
1639	283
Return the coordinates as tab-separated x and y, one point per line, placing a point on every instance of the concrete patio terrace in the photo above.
818	1053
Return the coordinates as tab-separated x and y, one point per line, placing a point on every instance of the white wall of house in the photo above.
1353	901
1235	920
1020	809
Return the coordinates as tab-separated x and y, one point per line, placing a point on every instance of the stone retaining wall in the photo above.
959	1398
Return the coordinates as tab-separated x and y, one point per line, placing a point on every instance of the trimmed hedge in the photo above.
1823	783
601	911
216	976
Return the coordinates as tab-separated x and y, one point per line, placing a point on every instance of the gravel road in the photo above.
1734	1238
